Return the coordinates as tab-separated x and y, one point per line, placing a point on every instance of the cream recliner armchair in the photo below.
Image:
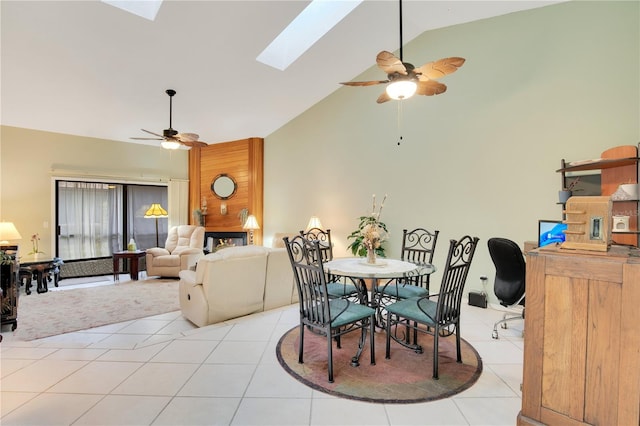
183	249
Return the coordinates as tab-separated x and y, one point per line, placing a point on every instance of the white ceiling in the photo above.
90	69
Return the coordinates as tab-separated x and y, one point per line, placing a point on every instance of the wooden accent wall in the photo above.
243	161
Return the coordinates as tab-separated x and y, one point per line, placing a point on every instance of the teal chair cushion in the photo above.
409	309
336	289
345	312
403	291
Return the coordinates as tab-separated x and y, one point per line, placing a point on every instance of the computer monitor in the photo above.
551	232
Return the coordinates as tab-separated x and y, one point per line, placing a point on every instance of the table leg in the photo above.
40	281
133	268
116	268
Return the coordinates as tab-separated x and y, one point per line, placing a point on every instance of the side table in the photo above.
132	257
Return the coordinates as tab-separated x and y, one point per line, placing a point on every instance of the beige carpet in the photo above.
57	312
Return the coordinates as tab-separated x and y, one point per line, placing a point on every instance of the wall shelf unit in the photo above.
617	166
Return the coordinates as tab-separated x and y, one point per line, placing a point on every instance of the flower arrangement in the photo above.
371	233
35	238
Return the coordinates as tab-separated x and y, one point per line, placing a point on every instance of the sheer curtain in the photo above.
89	219
96	219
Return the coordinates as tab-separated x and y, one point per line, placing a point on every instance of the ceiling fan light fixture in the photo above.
401	89
170	144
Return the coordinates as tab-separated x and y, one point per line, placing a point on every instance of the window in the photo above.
95	219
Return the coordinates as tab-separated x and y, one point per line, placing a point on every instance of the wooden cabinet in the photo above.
9	297
582	345
618	165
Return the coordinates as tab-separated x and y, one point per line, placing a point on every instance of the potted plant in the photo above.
371	233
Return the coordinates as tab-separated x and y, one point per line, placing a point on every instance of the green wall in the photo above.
556	82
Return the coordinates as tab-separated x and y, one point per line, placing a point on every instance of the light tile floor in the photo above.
162	370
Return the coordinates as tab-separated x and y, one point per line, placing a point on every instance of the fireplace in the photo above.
227	239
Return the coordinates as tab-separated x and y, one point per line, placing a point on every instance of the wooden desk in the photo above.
581	357
133	258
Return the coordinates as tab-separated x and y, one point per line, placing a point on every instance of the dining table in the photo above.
379	274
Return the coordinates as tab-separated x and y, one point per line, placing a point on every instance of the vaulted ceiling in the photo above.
87	68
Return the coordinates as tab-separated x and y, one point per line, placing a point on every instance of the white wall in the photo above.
537	86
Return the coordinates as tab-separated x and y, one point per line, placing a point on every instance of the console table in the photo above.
133	258
581	357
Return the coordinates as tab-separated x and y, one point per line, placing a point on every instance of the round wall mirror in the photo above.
223	186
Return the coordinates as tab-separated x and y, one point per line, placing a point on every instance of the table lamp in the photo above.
8	232
251	224
314	222
156	211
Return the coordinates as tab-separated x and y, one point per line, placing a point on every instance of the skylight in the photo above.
147	9
307	28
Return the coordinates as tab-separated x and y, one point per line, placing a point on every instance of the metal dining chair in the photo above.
418	246
335	287
439	317
330	317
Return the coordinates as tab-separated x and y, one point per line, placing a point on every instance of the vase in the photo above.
563	196
371	256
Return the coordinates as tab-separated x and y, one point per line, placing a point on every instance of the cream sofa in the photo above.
236	281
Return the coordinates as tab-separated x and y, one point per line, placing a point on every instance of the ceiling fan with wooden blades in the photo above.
405	80
170	138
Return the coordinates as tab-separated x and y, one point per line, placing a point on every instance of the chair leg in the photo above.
372	338
435	352
504	321
330	353
301	343
387	353
458	351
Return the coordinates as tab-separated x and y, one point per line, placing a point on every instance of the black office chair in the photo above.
509	285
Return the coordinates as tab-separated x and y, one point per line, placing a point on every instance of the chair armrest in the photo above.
189	277
157	251
185	251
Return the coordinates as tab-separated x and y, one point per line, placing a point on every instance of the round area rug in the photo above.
405	378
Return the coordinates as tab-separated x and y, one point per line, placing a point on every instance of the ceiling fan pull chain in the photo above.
399	123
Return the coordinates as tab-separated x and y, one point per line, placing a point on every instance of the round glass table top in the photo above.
357	267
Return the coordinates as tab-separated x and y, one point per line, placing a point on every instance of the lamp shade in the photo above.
401	89
170	144
8	232
156	210
314	222
251	223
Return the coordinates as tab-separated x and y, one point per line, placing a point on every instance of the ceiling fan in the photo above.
405	79
170	138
